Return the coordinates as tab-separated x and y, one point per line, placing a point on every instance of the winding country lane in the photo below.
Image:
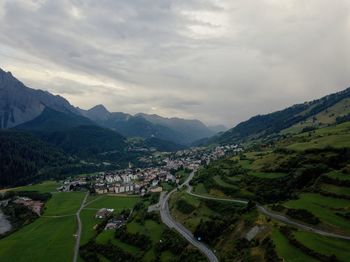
268	213
77	243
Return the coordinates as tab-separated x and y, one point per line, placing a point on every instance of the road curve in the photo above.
270	214
171	223
77	243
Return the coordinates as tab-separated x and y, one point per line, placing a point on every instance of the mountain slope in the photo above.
50	120
97	113
162	145
133	126
19	104
22	156
264	125
87	141
74	134
191	129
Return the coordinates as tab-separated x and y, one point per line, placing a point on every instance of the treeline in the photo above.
181	251
184	207
90	251
303	215
138	240
35	195
336	181
342	119
208	231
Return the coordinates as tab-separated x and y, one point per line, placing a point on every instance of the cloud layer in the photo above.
219	61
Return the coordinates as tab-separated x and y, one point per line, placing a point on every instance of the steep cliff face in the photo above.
19	104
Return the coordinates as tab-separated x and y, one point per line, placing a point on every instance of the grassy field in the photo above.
116	202
200	189
46	239
88	221
324	208
337	141
336	189
66	203
44	187
286	251
324	245
150	228
339	175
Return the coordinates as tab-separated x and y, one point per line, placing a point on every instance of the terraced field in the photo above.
325	208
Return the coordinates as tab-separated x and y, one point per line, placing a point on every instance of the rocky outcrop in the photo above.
19	104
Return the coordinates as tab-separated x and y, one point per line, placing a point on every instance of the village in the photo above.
148	180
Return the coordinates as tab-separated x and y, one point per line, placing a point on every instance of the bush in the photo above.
303	215
184	207
138	240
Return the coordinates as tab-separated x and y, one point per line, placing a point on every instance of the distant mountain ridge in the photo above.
20	104
317	113
177	130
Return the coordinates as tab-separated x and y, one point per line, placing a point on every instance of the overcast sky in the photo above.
218	61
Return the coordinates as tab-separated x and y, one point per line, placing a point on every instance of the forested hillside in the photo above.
74	134
22	156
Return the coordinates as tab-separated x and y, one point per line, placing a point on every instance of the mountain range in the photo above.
35	123
20	104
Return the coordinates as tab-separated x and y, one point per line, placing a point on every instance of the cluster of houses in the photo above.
113	222
145	180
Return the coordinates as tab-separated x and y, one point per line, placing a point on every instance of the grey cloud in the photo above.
220	61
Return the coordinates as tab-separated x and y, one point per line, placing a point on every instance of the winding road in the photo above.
77	243
171	223
270	214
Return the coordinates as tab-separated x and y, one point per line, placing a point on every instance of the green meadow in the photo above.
116	202
44	187
65	203
47	238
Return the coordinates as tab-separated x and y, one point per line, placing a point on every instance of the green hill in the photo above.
318	113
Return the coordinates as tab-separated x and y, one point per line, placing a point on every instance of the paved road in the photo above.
77	243
171	223
270	214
